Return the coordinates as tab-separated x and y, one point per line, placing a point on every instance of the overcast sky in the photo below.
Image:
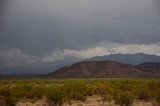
34	31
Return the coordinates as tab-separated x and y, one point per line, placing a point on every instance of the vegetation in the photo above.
123	91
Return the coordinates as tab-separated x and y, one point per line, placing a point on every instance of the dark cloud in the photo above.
40	26
3	4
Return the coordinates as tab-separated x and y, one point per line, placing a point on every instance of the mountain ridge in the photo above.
100	69
133	59
44	68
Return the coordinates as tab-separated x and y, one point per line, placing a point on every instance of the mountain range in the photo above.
133	59
102	69
116	65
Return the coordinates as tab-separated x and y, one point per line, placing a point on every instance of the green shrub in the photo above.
37	93
143	93
124	99
104	90
24	85
21	90
75	90
55	94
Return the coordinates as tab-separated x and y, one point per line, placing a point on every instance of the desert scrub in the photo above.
55	94
75	90
154	89
103	89
124	99
90	89
37	92
6	96
122	91
142	93
21	90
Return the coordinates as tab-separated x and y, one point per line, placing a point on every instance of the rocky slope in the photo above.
100	69
150	67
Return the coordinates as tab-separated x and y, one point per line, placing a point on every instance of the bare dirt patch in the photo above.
90	101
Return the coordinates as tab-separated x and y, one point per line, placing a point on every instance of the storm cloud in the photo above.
16	57
77	28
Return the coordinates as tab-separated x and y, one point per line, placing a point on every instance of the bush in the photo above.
143	93
55	94
124	99
37	93
6	97
21	90
75	90
103	89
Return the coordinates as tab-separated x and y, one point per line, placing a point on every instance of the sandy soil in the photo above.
91	101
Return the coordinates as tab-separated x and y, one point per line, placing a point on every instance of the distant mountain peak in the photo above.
133	59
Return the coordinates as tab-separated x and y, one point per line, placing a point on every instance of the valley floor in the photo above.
80	92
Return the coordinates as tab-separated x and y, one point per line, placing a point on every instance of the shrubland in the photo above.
122	91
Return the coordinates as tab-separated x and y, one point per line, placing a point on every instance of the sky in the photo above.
40	31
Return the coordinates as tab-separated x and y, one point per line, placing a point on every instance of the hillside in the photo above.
99	69
150	67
